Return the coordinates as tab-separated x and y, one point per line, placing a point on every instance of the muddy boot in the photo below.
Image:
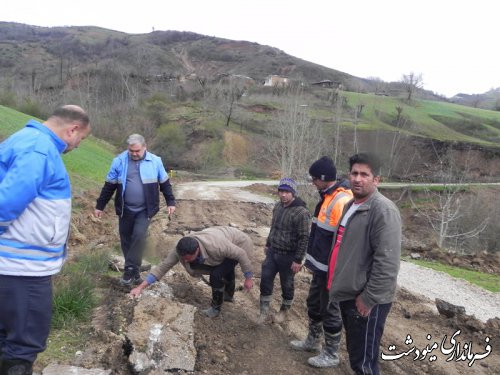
16	367
217	299
312	341
329	356
286	304
265	304
229	291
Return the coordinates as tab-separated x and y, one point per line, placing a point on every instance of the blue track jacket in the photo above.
154	178
35	202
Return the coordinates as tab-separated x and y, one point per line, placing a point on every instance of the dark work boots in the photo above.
329	356
312	341
217	300
16	367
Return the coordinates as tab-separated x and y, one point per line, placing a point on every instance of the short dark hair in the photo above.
186	246
366	158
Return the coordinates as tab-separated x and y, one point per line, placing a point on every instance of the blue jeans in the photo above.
319	307
363	336
25	316
273	264
133	229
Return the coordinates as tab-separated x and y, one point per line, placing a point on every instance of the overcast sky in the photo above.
453	44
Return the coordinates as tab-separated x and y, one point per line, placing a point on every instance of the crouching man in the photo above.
213	251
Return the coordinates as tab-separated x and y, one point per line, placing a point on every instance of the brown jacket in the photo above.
216	244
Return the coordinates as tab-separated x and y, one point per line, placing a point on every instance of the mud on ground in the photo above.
235	342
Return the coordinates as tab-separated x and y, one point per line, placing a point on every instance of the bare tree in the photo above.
379	85
396	144
357	115
412	82
445	209
293	140
224	97
338	102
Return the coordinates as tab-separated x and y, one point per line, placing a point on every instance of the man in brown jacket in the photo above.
214	251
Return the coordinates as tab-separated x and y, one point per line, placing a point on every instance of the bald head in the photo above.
70	123
69	114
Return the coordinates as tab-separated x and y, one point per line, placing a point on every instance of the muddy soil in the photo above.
236	342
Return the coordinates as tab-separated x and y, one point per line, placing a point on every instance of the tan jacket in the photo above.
216	244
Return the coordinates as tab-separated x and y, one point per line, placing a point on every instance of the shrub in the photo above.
74	296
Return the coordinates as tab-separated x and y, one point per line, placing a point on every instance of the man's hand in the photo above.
361	307
98	213
296	267
136	292
248	284
170	209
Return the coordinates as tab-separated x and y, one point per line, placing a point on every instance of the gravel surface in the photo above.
221	190
433	284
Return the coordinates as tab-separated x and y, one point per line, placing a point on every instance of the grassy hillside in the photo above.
87	165
433	119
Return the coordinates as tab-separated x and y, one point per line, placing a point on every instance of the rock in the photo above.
493	324
76	237
415	256
55	369
475	325
162	333
476	262
449	310
456	262
117	263
406	314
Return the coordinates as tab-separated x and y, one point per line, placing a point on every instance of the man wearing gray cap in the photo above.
324	316
285	247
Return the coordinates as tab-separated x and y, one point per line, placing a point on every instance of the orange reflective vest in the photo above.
330	212
324	227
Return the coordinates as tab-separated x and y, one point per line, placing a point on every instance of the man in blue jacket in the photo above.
137	176
35	212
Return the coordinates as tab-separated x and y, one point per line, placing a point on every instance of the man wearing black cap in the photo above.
324	316
285	247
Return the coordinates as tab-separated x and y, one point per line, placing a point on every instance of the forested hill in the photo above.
46	58
229	107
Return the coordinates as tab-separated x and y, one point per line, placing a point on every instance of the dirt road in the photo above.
236	343
414	314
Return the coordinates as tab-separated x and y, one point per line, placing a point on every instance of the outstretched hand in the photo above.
136	292
248	284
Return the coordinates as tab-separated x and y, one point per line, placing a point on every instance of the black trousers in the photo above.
363	336
277	263
319	307
25	316
133	229
222	273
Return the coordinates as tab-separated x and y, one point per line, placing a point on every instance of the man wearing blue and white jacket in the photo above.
35	212
137	176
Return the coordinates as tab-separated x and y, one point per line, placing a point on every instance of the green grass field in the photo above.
87	165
